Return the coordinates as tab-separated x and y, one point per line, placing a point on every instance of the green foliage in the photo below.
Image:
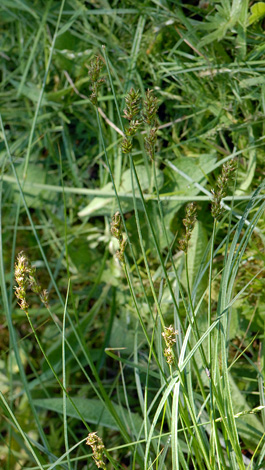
257	12
156	359
91	410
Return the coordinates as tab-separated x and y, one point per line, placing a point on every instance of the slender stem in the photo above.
54	373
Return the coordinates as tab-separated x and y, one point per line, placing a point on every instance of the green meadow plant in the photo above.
218	400
150	355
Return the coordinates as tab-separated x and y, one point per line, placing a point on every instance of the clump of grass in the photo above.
186	420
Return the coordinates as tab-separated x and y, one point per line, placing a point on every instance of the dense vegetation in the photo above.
133	232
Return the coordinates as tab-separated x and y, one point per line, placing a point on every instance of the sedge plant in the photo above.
150	355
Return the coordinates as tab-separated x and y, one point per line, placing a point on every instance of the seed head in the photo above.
116	230
150	108
131	112
126	145
168	353
169	336
94	70
188	222
132	101
25	276
150	141
98	447
221	186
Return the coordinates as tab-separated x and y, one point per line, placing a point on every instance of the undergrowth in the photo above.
132	235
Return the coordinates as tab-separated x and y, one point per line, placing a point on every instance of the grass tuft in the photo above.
132	188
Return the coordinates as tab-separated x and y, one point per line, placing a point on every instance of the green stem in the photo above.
54	373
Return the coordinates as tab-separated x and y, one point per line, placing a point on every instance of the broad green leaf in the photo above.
235	9
98	203
195	168
257	12
214	36
123	333
102	206
224	19
34	196
92	410
253	81
30	91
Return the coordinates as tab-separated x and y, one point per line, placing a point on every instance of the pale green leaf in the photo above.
100	206
34	196
92	410
253	81
257	12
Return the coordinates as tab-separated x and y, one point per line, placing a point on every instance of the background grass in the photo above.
59	160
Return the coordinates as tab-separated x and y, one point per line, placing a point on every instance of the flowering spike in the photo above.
150	141
169	336
222	183
25	276
131	113
126	145
116	230
150	108
94	70
149	117
132	101
189	223
98	447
